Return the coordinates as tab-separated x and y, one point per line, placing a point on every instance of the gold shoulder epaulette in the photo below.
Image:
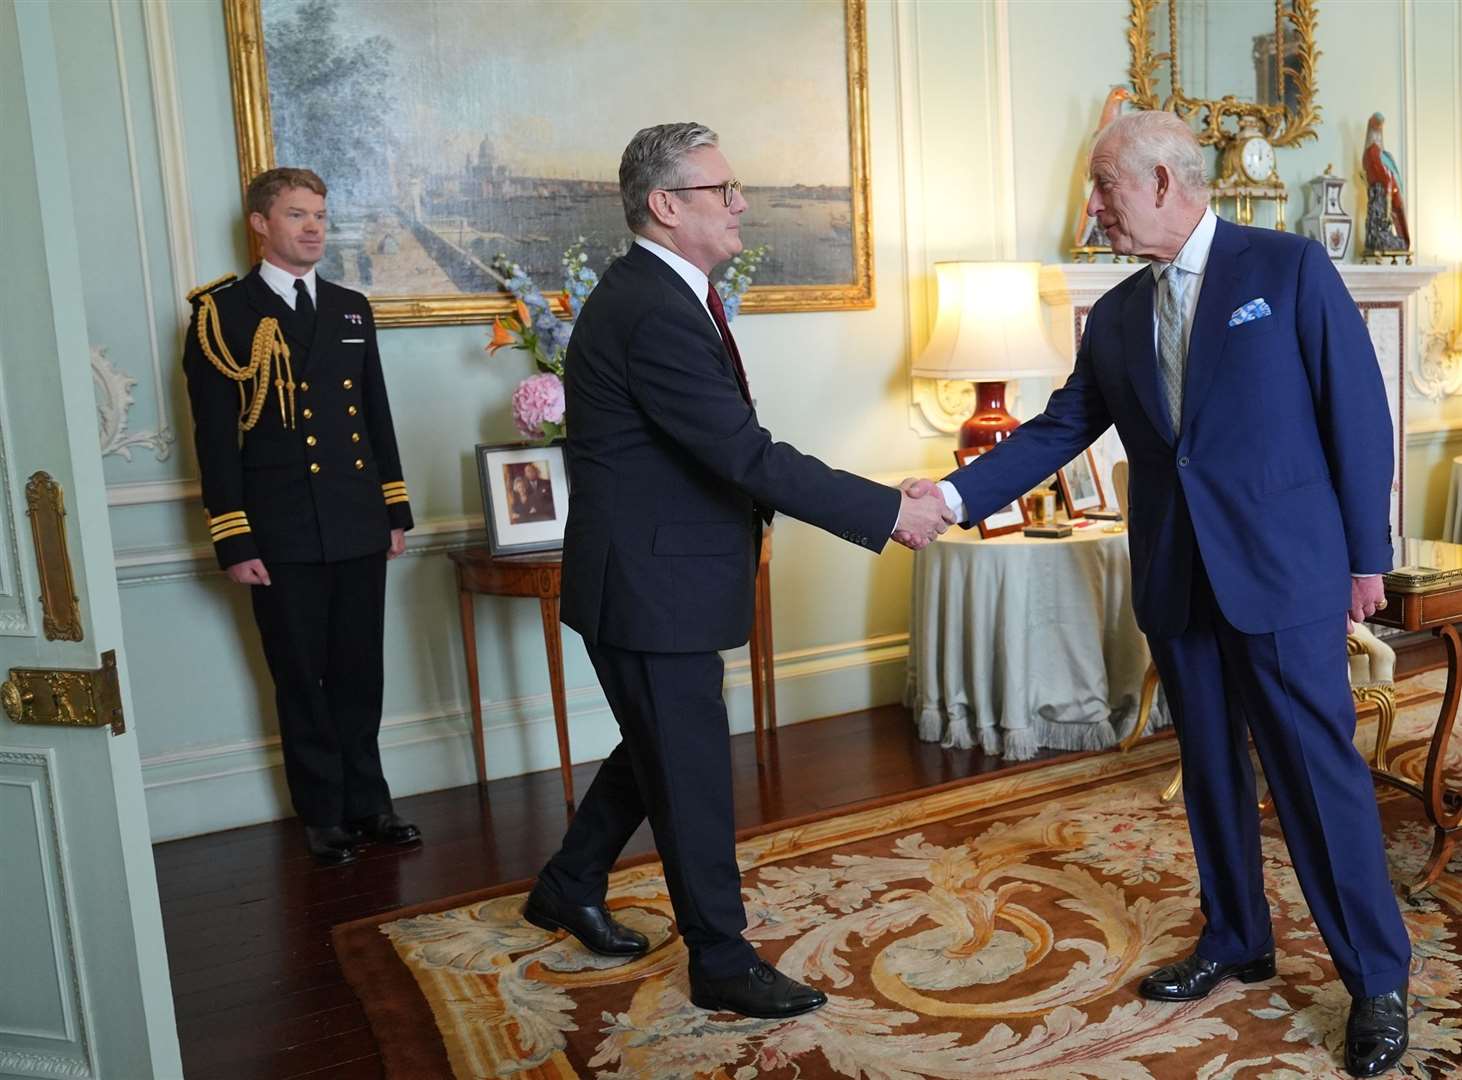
227	279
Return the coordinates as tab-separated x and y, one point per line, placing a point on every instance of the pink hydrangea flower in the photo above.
538	400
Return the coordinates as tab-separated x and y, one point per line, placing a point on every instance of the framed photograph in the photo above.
1008	519
968	454
1081	487
450	132
525	496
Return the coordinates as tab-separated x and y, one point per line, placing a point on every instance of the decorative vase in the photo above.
1327	220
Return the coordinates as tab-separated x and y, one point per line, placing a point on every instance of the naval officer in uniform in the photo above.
305	502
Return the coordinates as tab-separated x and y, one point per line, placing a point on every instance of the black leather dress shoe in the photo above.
330	844
1375	1034
761	991
384	829
1194	977
597	930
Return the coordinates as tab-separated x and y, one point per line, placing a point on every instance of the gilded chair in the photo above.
1372	677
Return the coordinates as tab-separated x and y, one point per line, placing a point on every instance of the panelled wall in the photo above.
978	115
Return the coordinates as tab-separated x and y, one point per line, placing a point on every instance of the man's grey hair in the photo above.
655	158
1140	141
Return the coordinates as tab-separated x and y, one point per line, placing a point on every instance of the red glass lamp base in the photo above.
989	423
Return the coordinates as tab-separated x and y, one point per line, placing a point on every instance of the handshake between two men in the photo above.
923	514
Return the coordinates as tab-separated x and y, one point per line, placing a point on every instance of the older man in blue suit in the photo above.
1243	383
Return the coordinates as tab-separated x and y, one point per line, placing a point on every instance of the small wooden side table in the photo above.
540	575
1436	607
537	575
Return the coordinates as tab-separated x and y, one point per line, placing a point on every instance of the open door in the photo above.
83	972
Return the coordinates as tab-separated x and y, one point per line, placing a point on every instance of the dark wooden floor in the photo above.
248	915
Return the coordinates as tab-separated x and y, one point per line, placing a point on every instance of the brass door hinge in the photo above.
64	698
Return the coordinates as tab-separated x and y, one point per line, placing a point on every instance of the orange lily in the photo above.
564	306
501	338
523	318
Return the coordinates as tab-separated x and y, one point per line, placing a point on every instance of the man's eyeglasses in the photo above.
728	190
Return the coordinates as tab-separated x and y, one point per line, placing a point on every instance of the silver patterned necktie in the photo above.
1171	354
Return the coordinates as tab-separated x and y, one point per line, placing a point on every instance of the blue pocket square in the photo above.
1254	309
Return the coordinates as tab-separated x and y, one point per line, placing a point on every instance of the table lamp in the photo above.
988	330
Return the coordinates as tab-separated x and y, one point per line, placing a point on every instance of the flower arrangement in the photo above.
538	328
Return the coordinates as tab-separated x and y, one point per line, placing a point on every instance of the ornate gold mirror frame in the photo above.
1297	64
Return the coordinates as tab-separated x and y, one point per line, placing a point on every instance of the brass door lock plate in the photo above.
58	697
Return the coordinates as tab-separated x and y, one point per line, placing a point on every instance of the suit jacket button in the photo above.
355	436
359	464
304	386
350	411
1183	462
310	440
347	384
314	466
309	413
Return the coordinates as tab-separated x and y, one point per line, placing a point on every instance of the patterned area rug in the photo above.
995	928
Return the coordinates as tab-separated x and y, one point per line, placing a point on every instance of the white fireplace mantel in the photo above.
1081	284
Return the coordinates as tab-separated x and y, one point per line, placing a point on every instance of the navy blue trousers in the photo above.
1291	691
673	766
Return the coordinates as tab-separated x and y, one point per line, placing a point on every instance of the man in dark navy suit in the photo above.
305	502
1243	383
672	478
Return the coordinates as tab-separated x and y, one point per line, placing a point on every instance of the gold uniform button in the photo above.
351	410
309	413
347	384
359	464
310	440
304	386
355	436
314	466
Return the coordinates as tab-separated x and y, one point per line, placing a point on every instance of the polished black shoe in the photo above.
597	930
760	991
1375	1034
384	829
330	844
1194	977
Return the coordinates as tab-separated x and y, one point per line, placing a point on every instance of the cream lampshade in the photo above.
988	330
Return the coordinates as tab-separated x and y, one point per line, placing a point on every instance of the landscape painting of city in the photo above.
449	133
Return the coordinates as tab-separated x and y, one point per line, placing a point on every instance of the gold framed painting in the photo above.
450	133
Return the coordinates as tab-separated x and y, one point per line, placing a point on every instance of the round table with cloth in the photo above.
1025	643
1452	523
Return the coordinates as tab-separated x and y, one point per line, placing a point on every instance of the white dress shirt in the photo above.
688	271
1193	258
282	282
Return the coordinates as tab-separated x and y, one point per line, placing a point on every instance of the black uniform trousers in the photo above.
673	766
323	629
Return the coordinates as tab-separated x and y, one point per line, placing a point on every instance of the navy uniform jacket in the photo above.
330	486
667	466
1280	475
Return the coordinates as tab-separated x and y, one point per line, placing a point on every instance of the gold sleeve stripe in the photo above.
230	532
391	500
224	519
394	484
